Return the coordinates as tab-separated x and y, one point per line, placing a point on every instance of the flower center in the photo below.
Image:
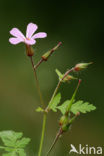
28	38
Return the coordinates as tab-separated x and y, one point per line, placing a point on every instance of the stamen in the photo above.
28	38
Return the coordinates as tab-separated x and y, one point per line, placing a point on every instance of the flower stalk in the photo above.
55	140
37	83
45	115
43	133
62	130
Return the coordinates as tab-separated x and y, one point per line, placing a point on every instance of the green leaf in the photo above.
63	107
39	109
2	147
82	107
22	143
59	74
9	138
10	154
14	143
21	152
55	102
78	106
8	149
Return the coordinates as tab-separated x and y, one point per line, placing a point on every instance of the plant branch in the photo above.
55	140
37	83
57	87
38	64
42	102
42	135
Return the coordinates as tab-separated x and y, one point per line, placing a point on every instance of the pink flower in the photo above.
30	36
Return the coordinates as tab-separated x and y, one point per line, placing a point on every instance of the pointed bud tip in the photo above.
59	43
91	63
80	81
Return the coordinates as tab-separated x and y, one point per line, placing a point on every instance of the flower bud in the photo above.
65	127
64	120
81	66
46	55
64	123
49	53
29	50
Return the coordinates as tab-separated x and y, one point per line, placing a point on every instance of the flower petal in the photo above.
30	42
17	33
15	40
39	35
31	28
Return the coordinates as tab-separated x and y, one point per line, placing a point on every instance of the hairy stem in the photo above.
36	66
37	83
42	135
42	103
55	141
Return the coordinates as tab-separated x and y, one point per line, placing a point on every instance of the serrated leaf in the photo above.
21	152
14	143
55	102
66	106
22	143
63	107
10	154
39	109
9	138
8	149
2	147
11	134
82	107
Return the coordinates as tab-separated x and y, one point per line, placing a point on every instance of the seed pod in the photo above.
81	66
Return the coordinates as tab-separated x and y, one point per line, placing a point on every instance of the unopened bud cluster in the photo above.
65	121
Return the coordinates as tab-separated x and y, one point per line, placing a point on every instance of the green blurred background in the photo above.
80	27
